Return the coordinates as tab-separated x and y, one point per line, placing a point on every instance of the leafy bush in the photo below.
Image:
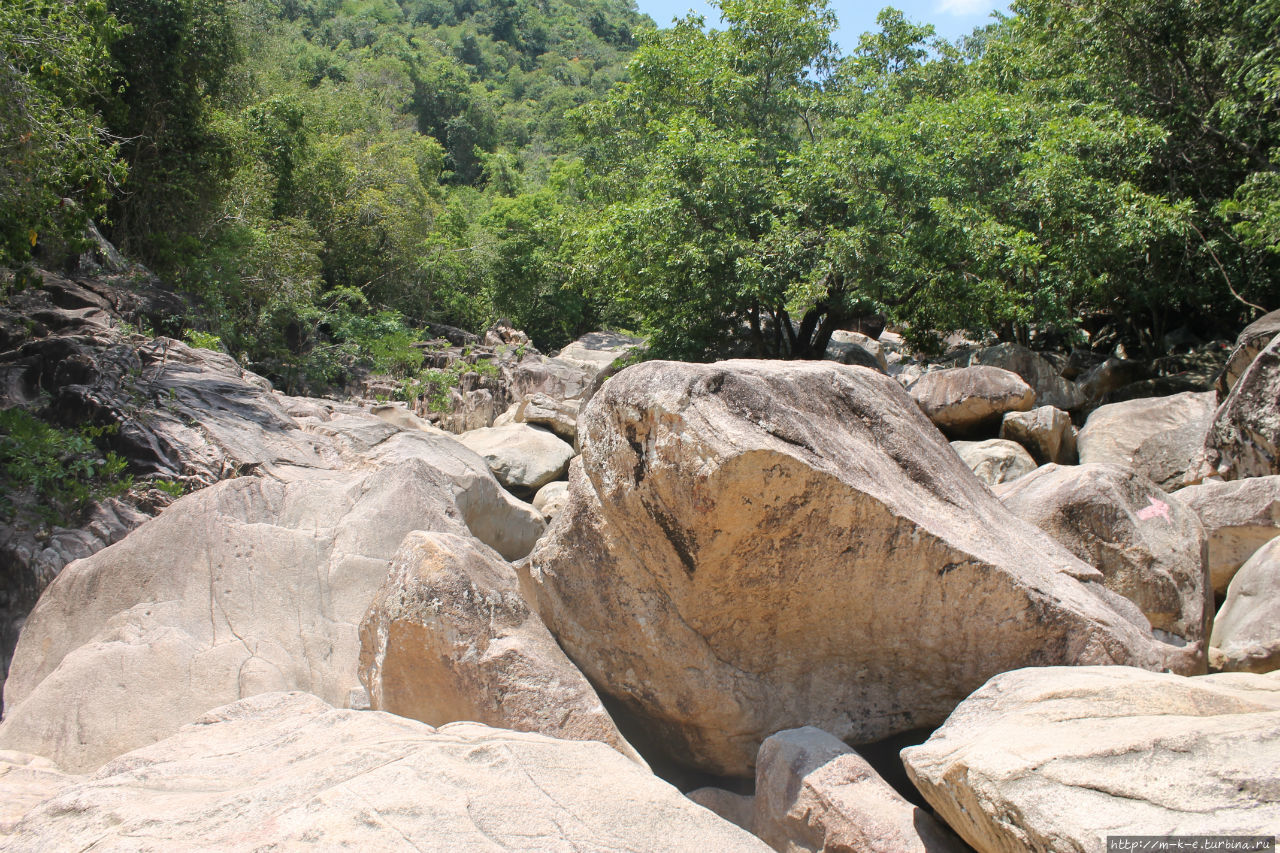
61	469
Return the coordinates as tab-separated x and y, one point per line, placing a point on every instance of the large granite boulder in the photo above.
966	401
1148	545
1059	758
25	782
791	544
522	457
1243	437
1045	432
814	794
1050	387
1239	517
1159	437
559	416
995	460
448	638
251	585
285	771
1246	631
1249	343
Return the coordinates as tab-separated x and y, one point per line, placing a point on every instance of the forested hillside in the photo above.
327	177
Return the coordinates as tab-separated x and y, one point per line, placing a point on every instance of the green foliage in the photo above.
53	56
202	340
434	384
62	470
172	488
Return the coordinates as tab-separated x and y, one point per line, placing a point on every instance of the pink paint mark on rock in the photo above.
1157	509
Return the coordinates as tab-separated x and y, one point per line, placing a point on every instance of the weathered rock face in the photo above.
286	771
251	585
1034	369
448	638
1059	758
25	782
1045	432
523	458
1148	545
995	460
1243	438
794	544
1246	632
559	416
856	348
1156	436
1239	517
1249	343
814	794
964	401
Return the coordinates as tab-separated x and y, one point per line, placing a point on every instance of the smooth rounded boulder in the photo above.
522	457
752	546
1246	632
285	771
1148	545
1159	437
1059	758
965	401
448	637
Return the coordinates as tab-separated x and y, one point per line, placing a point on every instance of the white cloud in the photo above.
964	7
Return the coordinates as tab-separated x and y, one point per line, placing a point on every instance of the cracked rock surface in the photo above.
287	771
1057	758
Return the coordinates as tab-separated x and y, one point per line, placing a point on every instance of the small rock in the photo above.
523	458
551	499
995	460
1046	432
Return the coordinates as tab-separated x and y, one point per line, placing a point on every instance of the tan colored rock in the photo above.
1239	517
559	416
995	460
523	458
1050	388
815	794
251	585
1243	437
1148	545
448	638
25	782
965	401
551	499
1246	631
1158	437
284	771
735	808
1059	758
779	540
1046	432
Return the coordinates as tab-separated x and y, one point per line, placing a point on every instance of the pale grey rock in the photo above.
856	348
1034	369
596	351
1056	759
522	457
995	460
1243	437
551	499
1239	517
1148	545
1159	437
1246	631
25	782
1249	344
559	416
285	771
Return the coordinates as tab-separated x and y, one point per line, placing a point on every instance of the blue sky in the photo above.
952	18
